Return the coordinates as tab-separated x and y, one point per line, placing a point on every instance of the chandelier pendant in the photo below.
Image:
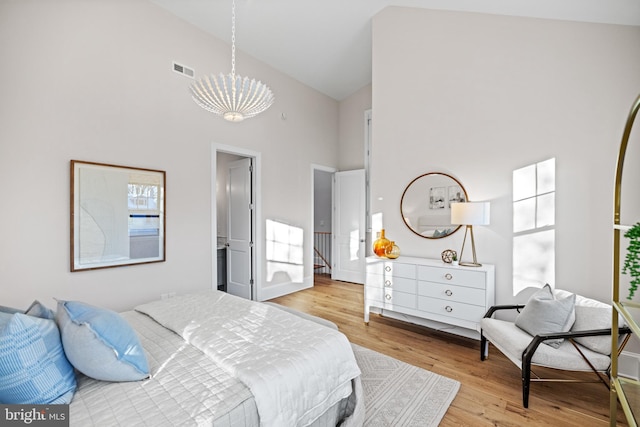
233	97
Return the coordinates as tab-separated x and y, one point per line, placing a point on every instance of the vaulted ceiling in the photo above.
326	44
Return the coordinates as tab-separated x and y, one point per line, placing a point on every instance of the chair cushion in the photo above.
33	366
512	341
544	314
592	314
100	343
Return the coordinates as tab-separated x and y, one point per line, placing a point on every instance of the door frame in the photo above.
258	232
367	181
312	227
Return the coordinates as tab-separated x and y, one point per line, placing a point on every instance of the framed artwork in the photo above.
117	215
437	197
456	195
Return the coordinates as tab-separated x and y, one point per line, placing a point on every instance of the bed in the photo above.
213	359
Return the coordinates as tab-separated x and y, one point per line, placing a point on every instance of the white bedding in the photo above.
296	369
185	389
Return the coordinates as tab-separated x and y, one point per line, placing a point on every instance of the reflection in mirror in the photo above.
117	215
426	204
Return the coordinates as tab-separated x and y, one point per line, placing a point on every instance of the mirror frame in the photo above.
102	182
447	200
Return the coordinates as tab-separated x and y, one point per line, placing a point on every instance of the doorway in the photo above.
322	181
235	228
338	223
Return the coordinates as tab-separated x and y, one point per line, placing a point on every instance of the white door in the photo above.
239	241
349	226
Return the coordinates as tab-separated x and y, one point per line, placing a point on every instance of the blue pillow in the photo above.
10	310
36	309
100	343
33	366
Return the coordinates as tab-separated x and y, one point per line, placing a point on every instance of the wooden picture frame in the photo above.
117	216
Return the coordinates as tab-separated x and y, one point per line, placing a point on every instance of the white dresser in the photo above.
430	289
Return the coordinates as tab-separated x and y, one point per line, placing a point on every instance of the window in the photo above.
534	225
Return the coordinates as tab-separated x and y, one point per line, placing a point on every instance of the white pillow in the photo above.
544	314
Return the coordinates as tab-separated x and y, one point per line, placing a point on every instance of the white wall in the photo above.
93	81
351	127
477	96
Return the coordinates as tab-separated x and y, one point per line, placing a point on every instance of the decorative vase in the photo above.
392	251
448	255
381	244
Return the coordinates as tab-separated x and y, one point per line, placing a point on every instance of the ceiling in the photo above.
326	44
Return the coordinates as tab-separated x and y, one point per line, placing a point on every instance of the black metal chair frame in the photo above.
528	353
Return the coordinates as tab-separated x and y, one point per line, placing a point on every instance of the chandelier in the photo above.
231	96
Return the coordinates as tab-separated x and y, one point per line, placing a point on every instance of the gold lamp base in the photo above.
475	262
470	264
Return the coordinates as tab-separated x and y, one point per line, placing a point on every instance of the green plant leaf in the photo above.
631	265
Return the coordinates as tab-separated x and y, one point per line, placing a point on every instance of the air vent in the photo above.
182	69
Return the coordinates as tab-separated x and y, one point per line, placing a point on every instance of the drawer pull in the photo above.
388	297
387	268
448	292
448	276
449	309
387	283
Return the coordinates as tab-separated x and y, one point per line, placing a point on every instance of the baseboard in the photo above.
629	365
274	291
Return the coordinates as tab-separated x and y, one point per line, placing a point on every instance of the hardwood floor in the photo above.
490	392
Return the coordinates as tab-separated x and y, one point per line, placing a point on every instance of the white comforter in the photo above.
296	369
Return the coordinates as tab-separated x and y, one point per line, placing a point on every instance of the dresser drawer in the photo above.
430	289
392	269
389	298
457	276
458	310
451	292
398	283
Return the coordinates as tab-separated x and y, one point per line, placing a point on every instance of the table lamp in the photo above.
470	214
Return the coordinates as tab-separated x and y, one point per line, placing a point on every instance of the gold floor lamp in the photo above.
470	214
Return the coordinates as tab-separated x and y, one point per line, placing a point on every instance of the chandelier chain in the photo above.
233	38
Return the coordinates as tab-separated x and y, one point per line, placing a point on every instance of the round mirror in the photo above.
426	204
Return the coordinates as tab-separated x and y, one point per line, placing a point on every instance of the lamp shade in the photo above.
470	213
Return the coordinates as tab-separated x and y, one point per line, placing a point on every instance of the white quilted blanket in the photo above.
295	368
186	389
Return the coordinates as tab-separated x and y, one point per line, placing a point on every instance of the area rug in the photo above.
399	394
